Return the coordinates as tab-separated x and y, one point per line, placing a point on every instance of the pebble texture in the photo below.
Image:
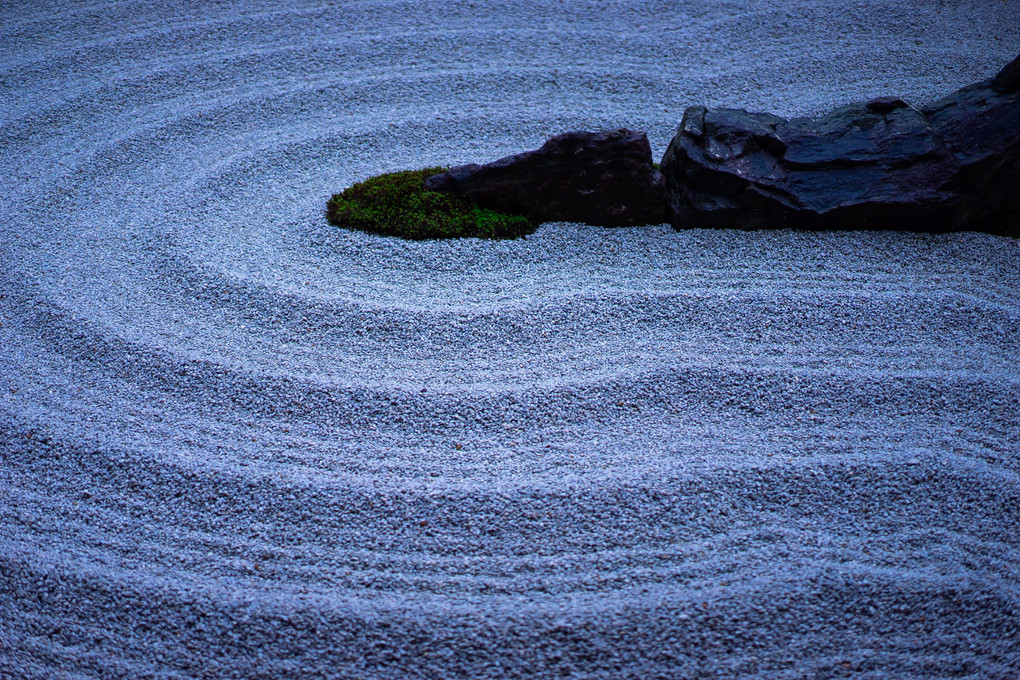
238	442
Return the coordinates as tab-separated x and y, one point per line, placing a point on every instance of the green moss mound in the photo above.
397	204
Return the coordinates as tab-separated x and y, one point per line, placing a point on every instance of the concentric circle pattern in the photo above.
238	442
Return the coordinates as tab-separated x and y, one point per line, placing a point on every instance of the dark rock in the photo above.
882	164
1008	79
602	178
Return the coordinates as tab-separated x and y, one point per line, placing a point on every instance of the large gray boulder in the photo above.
602	178
882	164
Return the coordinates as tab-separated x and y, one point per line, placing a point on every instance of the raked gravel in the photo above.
238	442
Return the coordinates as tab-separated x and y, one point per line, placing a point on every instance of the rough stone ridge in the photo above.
604	178
883	164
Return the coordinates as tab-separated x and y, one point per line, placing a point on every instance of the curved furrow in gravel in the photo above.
236	441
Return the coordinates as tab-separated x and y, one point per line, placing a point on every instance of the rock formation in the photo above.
953	165
601	178
884	164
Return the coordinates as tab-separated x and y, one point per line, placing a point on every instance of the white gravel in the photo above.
237	442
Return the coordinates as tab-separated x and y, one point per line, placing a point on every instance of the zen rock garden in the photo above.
953	165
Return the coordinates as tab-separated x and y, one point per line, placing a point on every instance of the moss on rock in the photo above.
397	204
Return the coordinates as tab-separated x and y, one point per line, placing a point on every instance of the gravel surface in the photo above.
237	442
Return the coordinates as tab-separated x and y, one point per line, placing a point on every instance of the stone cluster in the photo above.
883	164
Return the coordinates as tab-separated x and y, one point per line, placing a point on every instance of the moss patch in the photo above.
397	204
